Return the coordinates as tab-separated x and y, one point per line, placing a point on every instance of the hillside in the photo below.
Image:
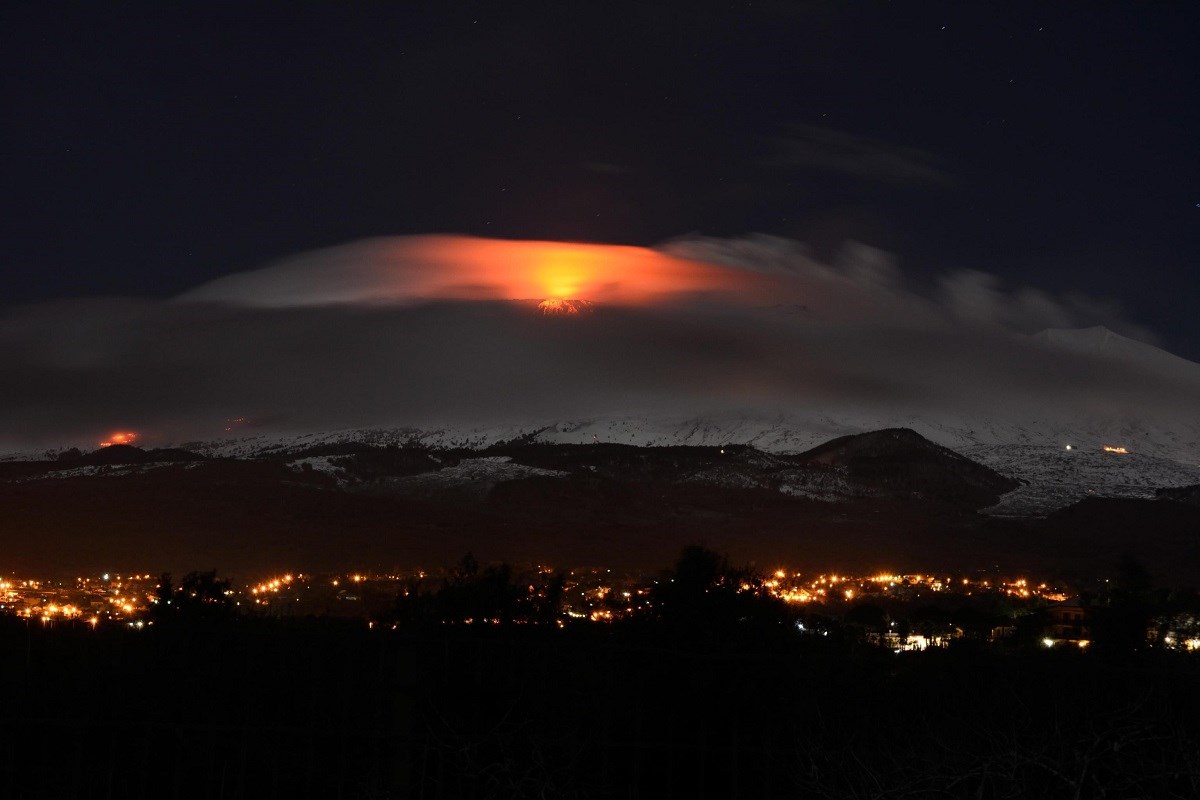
885	501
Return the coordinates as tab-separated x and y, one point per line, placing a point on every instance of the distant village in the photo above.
898	612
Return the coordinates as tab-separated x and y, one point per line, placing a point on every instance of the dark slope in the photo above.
1097	532
127	454
618	506
1107	515
899	461
1181	494
251	517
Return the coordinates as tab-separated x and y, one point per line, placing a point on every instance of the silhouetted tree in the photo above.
465	571
545	602
1120	621
201	596
492	593
705	597
867	616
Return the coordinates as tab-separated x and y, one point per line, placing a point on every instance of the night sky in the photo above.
149	148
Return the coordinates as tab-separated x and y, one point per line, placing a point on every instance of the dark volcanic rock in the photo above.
1162	535
1102	515
123	454
1181	494
619	506
901	462
632	463
376	463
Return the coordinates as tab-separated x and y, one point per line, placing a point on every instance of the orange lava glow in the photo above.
121	437
557	306
1108	448
466	268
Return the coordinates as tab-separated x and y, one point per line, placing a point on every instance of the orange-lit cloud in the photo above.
466	268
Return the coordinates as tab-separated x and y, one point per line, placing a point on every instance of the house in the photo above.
1068	622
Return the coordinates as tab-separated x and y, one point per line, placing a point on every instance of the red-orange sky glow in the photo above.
468	268
461	267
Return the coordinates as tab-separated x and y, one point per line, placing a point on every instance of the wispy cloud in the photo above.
812	147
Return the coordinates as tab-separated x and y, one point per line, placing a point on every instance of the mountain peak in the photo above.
1101	342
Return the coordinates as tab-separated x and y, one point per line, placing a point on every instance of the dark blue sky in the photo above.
149	148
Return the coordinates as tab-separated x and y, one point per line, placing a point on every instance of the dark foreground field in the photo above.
248	709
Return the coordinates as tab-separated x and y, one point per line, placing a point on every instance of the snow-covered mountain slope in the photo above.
1100	342
1034	453
1056	477
780	433
1150	415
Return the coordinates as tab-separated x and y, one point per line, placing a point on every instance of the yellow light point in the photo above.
780	573
1108	448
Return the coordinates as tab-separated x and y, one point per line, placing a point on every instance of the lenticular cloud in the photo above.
425	268
435	330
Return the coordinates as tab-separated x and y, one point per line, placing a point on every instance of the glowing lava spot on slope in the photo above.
121	437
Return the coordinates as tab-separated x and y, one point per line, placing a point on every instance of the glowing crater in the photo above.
561	307
120	437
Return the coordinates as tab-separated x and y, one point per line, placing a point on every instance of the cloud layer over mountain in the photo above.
423	330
